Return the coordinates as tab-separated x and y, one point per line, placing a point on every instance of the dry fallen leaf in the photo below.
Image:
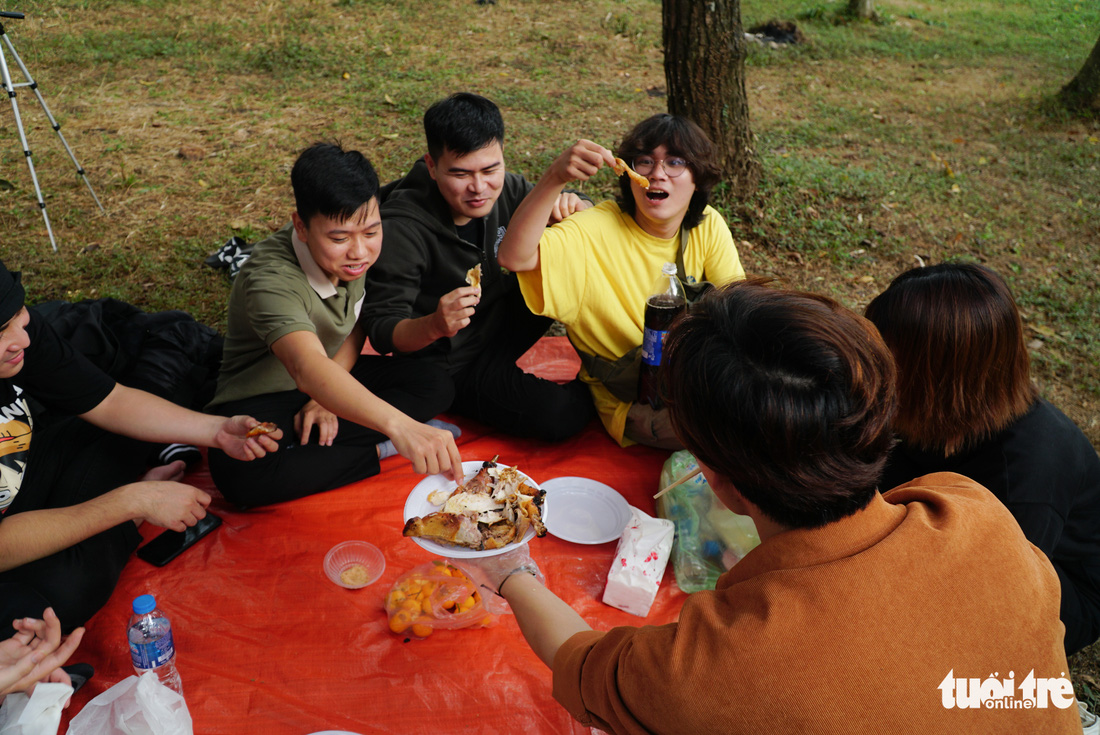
1045	331
191	152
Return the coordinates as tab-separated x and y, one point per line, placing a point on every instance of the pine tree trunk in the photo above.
1083	91
861	8
705	74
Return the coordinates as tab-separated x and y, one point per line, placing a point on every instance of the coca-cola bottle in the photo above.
666	302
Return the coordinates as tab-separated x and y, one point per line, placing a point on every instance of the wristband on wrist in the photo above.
526	568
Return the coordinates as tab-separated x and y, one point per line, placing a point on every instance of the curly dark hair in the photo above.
681	137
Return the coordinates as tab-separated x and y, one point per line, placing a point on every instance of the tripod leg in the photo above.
23	140
53	123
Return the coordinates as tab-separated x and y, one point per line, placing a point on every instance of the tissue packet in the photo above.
639	563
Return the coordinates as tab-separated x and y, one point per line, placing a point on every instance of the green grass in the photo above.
944	33
929	133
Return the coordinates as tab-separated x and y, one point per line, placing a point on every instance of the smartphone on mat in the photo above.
170	544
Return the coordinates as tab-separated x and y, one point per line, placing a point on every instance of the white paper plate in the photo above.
417	505
334	732
584	511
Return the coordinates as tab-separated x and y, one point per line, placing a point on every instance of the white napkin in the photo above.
38	714
639	563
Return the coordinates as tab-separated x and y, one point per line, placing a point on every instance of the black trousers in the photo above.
416	388
70	462
1080	612
494	391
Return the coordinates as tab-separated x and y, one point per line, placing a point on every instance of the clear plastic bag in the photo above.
435	596
710	538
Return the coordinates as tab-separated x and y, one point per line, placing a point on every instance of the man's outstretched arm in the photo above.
34	534
431	450
140	415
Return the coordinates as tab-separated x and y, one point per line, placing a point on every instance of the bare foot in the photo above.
173	472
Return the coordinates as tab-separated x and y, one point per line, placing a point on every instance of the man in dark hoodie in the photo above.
442	219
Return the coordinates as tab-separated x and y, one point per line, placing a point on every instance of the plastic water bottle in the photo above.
666	302
151	647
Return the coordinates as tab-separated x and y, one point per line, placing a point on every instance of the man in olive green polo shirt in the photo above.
293	350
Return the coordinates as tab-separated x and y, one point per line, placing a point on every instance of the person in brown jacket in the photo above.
920	610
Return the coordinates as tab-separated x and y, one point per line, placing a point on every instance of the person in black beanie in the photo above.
73	484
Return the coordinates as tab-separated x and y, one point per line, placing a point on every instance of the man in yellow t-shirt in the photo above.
594	271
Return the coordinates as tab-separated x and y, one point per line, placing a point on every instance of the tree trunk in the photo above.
861	8
705	74
1083	92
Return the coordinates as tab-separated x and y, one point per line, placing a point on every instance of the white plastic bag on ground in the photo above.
1090	724
38	714
134	706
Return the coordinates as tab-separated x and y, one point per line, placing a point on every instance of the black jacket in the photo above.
423	258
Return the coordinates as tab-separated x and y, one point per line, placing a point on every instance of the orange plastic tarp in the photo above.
266	644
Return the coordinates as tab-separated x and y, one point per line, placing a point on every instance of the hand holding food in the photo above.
244	438
579	162
454	310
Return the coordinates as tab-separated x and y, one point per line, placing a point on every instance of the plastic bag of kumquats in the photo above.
435	596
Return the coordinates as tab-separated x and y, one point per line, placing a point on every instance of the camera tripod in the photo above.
10	88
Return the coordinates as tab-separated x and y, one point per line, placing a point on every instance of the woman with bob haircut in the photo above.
967	405
593	273
862	603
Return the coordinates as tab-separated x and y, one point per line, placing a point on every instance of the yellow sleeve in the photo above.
713	245
556	288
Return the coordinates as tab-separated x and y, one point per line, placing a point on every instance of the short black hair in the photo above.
682	137
330	181
462	123
787	395
12	294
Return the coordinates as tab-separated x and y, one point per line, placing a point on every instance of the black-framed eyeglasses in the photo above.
673	166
